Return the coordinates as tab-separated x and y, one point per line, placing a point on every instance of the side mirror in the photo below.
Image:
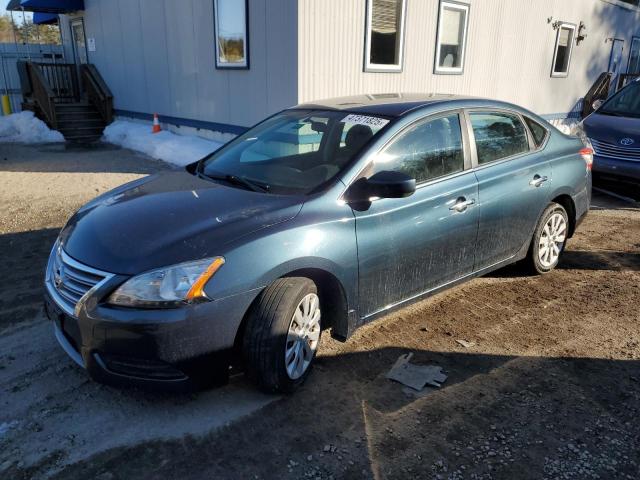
385	184
597	104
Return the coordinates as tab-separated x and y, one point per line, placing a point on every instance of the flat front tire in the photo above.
549	239
282	334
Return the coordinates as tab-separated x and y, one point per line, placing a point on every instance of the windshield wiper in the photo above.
236	180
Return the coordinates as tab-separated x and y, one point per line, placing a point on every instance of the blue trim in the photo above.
185	122
561	116
52	6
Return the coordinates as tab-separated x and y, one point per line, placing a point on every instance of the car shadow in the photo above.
513	270
579	260
24	259
539	404
600	260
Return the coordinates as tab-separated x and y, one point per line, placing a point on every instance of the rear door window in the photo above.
498	135
426	150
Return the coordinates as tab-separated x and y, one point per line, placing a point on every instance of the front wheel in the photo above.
283	334
549	239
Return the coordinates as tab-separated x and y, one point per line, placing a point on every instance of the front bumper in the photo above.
173	348
624	169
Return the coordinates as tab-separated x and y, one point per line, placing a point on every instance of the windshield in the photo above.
293	152
626	103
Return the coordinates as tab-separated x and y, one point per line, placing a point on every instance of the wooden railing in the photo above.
51	84
43	94
599	90
97	91
62	79
625	78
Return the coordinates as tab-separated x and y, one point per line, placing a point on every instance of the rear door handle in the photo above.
538	180
462	204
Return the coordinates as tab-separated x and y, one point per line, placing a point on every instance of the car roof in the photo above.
386	104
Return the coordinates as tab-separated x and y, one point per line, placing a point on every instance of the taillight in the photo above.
587	156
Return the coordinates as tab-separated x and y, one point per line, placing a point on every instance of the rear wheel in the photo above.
549	239
283	334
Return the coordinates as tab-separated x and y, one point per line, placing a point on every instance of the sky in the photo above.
233	13
16	15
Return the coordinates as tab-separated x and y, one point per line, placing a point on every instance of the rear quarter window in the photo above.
538	132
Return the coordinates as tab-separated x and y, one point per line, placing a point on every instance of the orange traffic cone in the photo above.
156	124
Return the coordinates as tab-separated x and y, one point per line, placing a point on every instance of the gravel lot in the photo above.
550	388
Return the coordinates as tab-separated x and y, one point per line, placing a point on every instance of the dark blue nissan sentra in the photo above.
326	215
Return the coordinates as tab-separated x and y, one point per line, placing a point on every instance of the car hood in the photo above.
611	129
168	218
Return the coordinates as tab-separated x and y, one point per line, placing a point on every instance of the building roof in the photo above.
387	104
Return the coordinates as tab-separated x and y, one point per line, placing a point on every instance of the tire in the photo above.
548	241
271	330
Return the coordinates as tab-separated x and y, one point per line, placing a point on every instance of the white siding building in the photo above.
223	65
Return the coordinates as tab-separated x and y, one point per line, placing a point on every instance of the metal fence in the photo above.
10	54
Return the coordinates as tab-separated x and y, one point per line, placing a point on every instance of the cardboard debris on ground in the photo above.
465	344
416	376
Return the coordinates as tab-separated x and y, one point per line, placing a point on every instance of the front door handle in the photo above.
538	180
462	204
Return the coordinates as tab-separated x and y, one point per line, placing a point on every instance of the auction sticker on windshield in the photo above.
365	120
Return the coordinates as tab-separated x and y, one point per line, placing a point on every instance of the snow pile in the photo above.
177	149
565	125
24	127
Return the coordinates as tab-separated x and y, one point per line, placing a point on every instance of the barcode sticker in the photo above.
365	120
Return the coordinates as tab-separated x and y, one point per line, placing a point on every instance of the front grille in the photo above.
618	152
69	280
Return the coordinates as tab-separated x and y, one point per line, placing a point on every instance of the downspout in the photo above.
15	37
24	26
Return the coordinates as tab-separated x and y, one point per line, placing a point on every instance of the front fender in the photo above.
302	243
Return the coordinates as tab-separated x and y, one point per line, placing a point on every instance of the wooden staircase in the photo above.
80	121
53	93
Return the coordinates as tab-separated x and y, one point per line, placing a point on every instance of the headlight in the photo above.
167	287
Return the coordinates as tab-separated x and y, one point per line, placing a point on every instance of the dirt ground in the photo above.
550	387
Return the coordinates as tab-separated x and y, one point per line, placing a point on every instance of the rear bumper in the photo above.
628	170
173	349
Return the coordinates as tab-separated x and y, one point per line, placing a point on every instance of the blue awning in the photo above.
13	5
40	18
47	6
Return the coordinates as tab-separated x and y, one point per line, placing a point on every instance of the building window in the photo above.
564	46
452	37
385	35
231	21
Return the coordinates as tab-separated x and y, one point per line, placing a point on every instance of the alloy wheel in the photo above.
303	336
552	240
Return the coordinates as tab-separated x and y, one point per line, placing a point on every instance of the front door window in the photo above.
634	56
425	151
79	44
615	61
